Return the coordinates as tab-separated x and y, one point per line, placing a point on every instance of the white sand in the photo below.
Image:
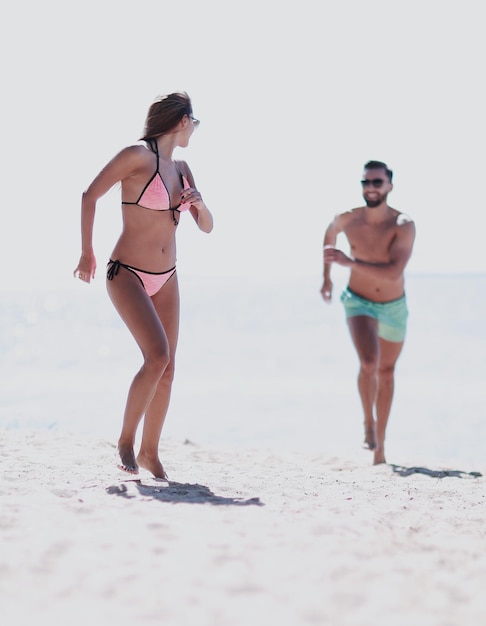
238	537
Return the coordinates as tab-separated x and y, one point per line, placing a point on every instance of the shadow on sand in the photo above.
408	471
179	493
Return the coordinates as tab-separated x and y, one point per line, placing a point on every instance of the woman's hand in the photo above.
86	268
199	210
193	197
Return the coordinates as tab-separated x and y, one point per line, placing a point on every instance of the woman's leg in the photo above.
166	303
139	314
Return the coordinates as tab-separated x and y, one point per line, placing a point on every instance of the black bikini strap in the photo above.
155	148
181	176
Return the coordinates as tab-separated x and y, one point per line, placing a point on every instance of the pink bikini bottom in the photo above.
152	281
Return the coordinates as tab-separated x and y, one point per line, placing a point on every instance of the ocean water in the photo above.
259	364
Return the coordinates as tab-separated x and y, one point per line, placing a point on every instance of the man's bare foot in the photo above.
370	437
127	457
152	465
379	456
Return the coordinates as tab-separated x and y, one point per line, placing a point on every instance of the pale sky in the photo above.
293	98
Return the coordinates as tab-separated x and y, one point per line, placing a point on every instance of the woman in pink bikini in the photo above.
141	274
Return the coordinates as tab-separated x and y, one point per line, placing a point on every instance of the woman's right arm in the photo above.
121	166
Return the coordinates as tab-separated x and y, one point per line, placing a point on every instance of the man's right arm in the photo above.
330	239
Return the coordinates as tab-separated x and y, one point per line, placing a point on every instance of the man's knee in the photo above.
369	364
386	373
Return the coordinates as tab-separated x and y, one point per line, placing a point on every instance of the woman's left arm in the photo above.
199	210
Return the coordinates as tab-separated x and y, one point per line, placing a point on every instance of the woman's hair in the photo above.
165	113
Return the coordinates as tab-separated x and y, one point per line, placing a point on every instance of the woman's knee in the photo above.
168	375
157	362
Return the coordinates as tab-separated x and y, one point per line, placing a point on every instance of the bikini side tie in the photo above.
114	268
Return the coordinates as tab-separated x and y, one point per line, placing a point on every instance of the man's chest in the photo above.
370	240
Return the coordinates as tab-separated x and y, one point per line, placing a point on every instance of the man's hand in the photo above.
333	255
326	291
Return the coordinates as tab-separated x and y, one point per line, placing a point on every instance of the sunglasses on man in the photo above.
374	182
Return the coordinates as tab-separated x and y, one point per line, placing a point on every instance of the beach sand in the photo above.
237	536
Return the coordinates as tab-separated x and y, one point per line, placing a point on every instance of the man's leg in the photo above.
364	333
389	353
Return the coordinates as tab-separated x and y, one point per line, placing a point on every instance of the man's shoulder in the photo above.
403	219
350	215
404	226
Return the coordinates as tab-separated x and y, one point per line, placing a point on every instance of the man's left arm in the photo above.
400	253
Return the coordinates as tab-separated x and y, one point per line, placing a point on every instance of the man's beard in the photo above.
374	203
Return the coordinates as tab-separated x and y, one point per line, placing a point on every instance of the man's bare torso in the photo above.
372	241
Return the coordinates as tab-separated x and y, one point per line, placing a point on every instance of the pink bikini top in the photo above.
155	195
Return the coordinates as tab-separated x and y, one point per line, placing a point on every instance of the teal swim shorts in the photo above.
392	316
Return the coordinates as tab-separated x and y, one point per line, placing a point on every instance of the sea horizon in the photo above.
260	363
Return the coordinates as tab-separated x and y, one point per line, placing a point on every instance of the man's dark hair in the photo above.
379	165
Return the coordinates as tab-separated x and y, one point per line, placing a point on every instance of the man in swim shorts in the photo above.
381	241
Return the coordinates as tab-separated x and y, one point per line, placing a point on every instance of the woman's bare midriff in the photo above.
147	240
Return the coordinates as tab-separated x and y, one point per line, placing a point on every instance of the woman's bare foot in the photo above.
370	436
379	456
152	465
127	457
